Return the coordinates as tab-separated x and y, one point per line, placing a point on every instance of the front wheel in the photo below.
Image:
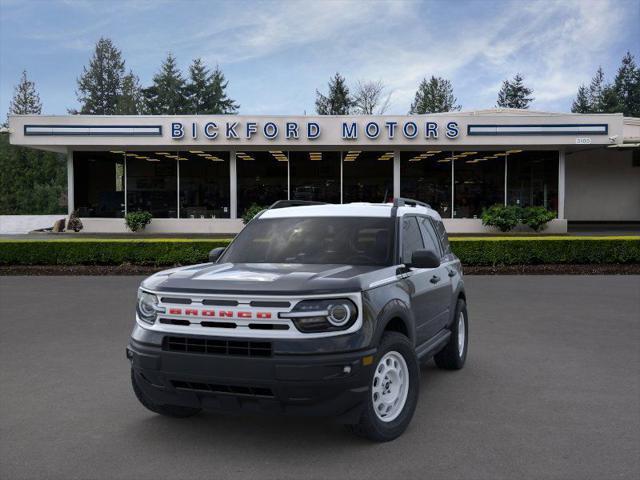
393	392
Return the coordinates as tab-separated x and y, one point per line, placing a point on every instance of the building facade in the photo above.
201	173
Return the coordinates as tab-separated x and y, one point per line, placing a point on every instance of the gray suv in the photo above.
313	309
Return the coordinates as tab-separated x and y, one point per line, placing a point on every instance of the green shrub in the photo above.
541	250
251	212
504	218
167	252
137	220
108	252
537	217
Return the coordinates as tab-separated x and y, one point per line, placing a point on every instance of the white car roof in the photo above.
360	209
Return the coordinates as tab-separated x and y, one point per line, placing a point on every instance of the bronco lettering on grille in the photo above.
192	312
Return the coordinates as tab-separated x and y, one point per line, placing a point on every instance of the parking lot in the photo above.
551	390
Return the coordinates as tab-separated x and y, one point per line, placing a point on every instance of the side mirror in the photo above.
425	259
214	254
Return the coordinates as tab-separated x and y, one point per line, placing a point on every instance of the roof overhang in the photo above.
242	132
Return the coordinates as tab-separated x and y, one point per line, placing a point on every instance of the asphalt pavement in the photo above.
551	389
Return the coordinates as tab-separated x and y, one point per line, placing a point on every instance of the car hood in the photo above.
267	278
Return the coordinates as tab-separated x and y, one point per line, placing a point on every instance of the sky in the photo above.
275	54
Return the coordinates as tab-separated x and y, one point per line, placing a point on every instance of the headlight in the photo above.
323	315
147	307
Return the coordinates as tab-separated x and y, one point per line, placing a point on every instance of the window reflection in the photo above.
204	184
152	183
478	182
99	184
532	178
262	178
367	176
315	176
426	176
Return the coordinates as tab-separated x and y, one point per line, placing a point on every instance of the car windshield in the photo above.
330	240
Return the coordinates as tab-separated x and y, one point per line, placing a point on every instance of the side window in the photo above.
430	238
411	238
444	239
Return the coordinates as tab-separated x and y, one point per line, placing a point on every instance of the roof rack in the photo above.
401	202
293	203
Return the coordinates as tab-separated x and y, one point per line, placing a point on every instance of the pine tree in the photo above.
434	95
338	101
596	91
99	86
218	100
206	91
167	95
25	99
31	181
627	86
130	101
514	94
581	104
196	89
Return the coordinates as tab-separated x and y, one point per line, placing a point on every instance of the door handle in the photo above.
452	273
435	279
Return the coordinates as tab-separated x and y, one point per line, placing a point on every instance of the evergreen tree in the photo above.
167	95
218	100
338	101
206	91
31	181
596	91
100	85
196	89
627	86
581	104
130	101
433	96
514	94
25	99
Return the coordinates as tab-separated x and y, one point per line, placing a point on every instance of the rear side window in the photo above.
444	239
429	235
411	238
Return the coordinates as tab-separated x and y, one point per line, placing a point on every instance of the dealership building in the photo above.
198	174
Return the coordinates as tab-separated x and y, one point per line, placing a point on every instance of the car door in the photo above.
419	281
440	297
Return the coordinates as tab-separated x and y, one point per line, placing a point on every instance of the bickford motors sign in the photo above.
294	130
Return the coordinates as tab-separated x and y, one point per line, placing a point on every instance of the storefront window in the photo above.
152	183
426	176
99	184
367	176
532	178
262	178
315	176
204	184
478	182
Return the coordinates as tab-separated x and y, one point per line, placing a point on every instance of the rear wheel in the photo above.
176	411
393	392
453	356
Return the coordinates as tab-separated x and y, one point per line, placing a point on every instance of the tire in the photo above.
175	411
395	354
451	357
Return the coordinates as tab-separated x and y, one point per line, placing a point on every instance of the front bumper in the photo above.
291	384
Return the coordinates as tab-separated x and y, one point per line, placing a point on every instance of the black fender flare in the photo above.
395	309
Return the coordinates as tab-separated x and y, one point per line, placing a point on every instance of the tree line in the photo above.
106	88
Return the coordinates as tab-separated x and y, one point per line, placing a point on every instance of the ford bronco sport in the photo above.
313	309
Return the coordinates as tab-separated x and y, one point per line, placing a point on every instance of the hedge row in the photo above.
107	252
472	251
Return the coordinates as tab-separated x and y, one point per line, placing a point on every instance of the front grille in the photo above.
217	347
230	389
